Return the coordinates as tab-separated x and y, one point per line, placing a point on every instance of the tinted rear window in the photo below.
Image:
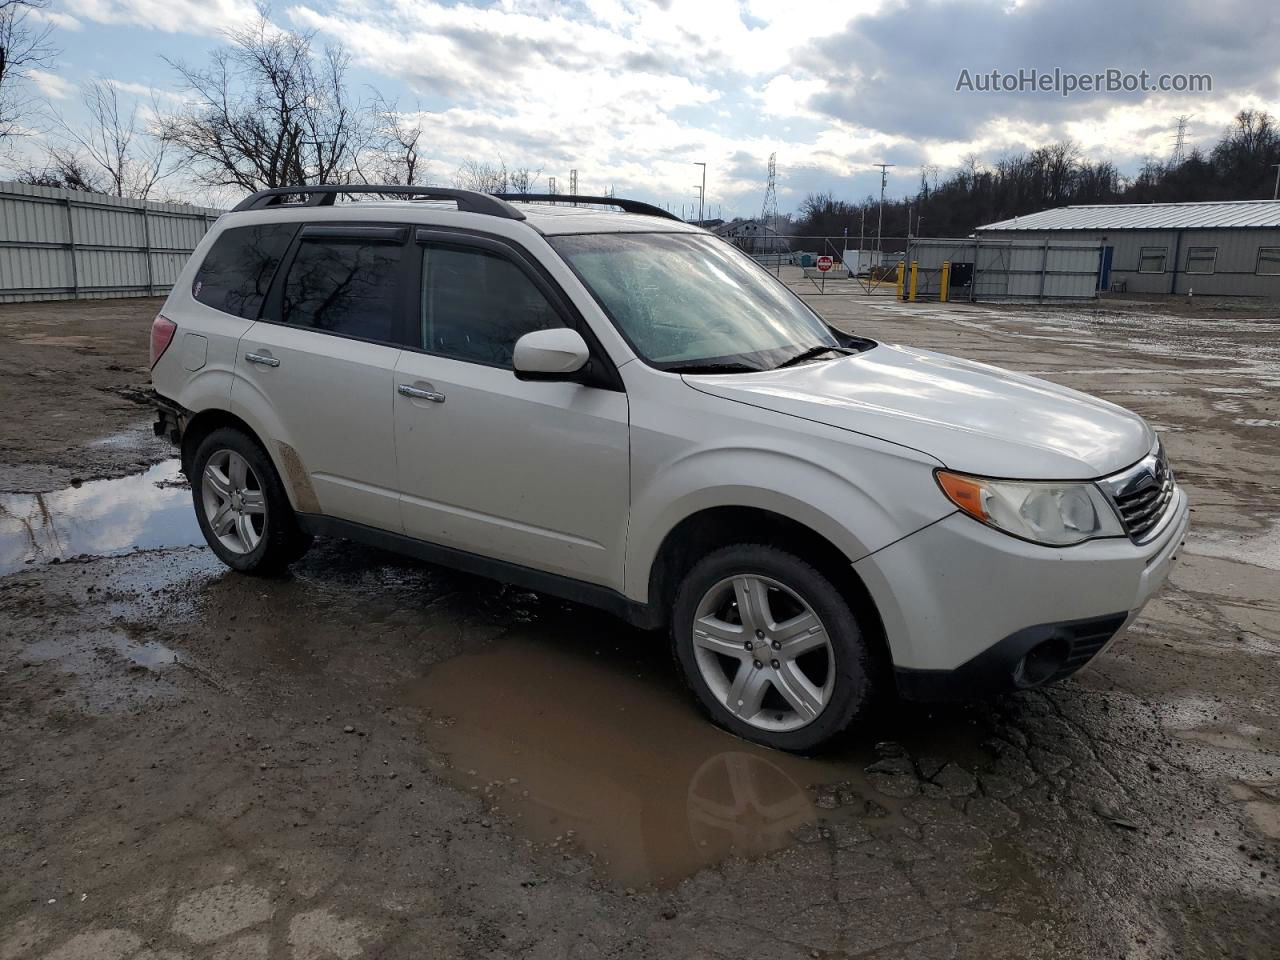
345	287
238	269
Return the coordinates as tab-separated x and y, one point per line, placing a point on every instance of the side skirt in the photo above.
642	615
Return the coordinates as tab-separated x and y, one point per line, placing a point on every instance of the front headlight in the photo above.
1055	514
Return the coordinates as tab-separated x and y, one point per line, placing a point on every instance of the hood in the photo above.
972	417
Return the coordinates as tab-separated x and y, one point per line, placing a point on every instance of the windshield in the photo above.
689	301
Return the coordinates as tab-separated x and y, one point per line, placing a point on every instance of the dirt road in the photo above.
373	757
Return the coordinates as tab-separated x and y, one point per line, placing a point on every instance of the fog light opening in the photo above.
1041	663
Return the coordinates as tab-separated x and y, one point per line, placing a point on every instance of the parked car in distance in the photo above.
616	407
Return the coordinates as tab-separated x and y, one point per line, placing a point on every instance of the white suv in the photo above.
621	409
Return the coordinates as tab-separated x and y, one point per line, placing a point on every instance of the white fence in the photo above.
62	244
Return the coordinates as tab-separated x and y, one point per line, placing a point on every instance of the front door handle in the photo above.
419	394
264	360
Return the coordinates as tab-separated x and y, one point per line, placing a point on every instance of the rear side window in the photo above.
347	287
476	305
238	268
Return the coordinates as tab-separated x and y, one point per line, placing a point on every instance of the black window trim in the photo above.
1213	264
1275	253
600	372
354	232
1164	260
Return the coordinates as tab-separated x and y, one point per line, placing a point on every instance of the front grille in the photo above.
1142	494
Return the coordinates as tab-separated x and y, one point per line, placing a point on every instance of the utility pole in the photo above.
884	180
702	191
1275	194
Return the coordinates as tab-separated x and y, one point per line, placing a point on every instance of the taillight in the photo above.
162	331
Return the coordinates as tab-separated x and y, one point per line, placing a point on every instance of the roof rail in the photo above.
324	195
628	206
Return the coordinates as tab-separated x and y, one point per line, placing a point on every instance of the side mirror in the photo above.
556	354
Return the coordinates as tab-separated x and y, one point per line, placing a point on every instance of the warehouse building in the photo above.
1228	248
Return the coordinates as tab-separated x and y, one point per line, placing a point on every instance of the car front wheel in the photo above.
772	650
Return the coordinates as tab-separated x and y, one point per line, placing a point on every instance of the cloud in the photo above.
897	70
51	85
168	16
63	21
632	92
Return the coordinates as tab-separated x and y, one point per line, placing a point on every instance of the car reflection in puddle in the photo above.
102	517
587	742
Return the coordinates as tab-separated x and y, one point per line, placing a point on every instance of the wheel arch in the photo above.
282	456
711	528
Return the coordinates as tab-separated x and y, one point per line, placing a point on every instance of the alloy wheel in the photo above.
763	652
234	504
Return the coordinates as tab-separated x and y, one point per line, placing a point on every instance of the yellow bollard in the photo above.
944	285
901	275
915	274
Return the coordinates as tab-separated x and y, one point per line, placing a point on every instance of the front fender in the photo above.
860	503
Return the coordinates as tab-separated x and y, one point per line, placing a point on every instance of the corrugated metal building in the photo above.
60	244
1230	248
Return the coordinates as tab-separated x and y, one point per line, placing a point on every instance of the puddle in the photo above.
579	734
147	654
100	518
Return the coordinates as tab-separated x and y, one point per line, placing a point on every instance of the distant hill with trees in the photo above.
1239	167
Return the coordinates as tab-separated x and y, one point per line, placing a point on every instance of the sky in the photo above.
632	93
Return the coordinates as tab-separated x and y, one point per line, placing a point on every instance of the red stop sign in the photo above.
825	263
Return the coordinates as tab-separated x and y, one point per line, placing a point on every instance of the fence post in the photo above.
973	276
915	272
146	241
1044	267
944	284
71	245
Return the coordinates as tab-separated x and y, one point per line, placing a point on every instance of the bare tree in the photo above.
483	176
524	180
267	112
69	171
113	151
24	45
393	153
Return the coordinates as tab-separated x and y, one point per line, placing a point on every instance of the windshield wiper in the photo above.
694	366
812	353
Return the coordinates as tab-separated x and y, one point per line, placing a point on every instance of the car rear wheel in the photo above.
772	650
241	504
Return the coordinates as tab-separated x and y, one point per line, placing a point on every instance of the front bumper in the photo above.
969	611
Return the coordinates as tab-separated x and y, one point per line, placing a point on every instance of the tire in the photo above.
259	533
814	682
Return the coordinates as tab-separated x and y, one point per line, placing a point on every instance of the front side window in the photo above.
1201	259
1269	261
1152	259
687	300
347	287
476	305
238	268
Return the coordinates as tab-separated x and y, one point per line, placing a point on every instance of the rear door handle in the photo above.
419	394
264	360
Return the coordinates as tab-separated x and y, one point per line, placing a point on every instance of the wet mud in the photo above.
372	756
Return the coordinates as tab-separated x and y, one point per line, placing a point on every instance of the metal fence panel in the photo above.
60	244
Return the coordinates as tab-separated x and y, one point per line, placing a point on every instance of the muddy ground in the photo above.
72	406
373	757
